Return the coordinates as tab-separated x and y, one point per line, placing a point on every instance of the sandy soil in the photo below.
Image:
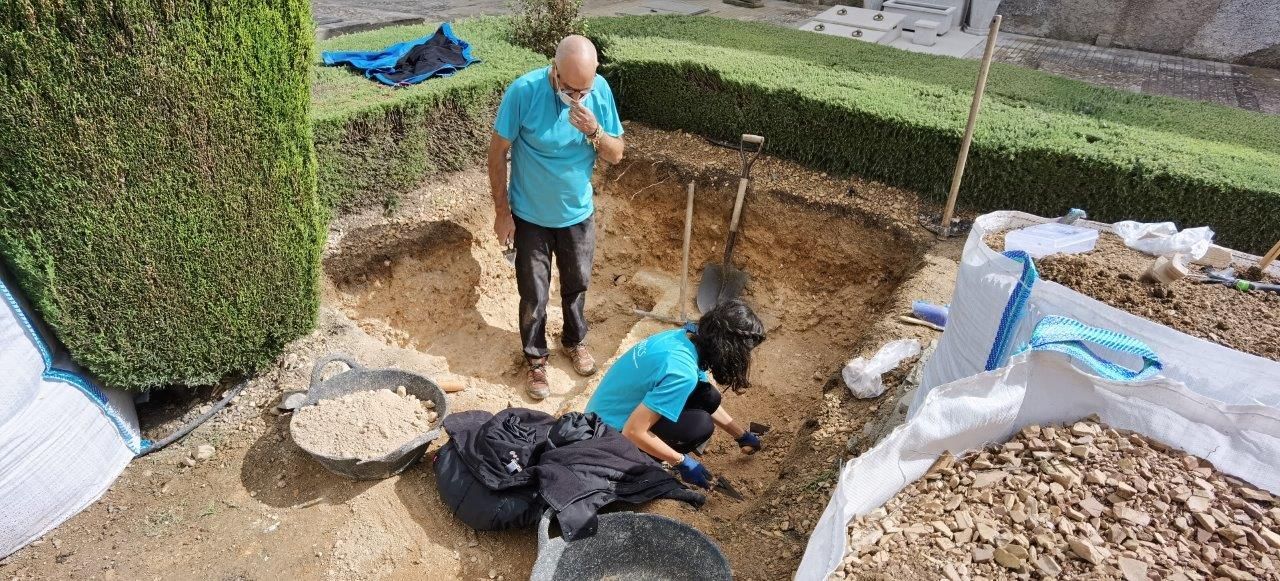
365	425
1245	321
427	290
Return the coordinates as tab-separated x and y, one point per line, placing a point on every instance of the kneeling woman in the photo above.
659	396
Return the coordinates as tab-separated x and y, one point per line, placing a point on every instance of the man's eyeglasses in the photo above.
576	94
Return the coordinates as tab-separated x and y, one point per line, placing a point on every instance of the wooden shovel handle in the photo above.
1271	256
451	385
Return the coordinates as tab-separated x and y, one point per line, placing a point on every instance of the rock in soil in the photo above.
1144	512
363	425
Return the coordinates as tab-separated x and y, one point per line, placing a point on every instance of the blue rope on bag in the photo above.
1071	337
1014	310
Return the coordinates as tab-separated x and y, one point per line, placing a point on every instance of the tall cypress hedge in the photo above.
157	180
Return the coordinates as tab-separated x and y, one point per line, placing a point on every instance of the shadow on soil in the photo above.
278	473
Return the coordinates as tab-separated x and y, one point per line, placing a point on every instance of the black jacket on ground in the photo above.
578	463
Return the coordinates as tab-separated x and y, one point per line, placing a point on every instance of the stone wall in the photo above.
1236	31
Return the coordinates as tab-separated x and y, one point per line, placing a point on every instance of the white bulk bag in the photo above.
1041	386
998	298
63	439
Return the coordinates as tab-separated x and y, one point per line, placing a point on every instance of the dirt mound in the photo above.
1080	501
1245	321
363	425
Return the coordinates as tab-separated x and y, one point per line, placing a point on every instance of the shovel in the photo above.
722	282
684	269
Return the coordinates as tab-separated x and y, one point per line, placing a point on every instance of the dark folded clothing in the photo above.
577	463
439	54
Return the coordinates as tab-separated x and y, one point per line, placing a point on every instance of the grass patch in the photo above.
1009	84
375	142
906	132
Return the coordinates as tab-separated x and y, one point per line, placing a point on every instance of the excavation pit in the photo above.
821	271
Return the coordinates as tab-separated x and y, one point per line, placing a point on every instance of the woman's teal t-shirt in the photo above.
659	372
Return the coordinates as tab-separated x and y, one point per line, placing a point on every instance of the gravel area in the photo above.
1082	501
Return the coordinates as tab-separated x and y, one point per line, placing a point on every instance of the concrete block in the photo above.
926	33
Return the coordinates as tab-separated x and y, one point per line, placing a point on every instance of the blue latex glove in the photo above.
694	472
750	440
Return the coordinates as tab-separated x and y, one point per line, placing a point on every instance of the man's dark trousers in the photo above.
574	248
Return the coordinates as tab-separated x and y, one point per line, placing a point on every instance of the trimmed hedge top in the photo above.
1003	128
1008	83
374	142
907	132
341	92
157	181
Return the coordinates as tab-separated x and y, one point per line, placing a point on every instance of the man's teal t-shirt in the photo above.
551	160
659	372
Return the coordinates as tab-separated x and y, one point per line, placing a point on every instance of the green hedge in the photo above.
157	181
1007	83
375	142
906	132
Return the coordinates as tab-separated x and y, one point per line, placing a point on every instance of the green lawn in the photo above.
1007	83
1044	143
374	142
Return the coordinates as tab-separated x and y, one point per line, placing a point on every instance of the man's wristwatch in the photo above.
594	137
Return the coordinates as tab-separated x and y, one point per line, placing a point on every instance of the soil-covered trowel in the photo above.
724	281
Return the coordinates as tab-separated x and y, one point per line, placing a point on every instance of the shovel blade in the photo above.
733	281
709	288
719	284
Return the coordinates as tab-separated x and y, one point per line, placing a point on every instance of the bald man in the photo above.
555	121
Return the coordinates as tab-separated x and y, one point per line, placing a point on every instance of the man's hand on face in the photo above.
582	118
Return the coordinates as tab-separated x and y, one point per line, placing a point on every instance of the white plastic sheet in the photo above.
1164	239
63	440
1042	388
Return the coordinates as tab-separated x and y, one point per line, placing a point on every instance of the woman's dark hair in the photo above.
724	340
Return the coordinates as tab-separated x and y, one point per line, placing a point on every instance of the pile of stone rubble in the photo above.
1081	501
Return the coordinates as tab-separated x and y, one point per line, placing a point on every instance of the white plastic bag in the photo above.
997	299
1041	386
863	375
1164	239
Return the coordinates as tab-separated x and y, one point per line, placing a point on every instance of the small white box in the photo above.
1052	238
915	10
926	33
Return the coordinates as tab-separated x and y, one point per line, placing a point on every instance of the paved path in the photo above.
334	15
1252	88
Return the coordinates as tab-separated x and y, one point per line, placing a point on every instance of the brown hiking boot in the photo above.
583	362
538	387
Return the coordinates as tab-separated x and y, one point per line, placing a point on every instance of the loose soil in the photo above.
817	275
1076	501
426	290
1112	273
364	425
